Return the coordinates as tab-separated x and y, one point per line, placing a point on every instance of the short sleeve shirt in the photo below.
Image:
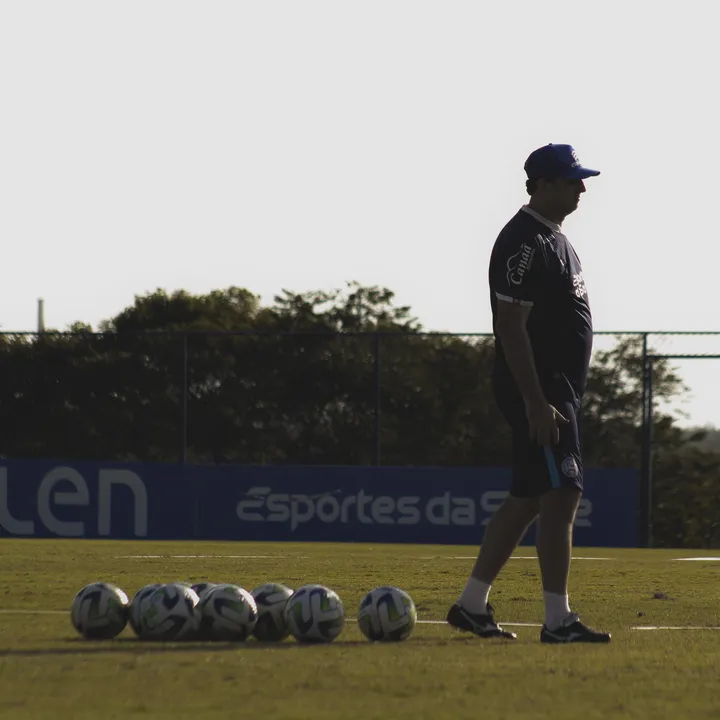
533	264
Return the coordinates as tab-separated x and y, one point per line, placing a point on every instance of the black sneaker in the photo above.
572	631
482	625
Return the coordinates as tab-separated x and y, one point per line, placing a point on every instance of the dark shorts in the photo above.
536	469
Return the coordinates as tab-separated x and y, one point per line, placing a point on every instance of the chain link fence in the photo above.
301	398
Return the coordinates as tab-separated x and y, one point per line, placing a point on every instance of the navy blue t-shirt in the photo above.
535	265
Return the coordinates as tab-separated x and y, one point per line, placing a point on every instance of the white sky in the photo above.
302	144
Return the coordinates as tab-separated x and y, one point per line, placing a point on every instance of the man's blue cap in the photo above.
554	161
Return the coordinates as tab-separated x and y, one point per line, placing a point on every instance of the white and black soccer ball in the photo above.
315	613
228	613
99	611
271	600
202	587
387	614
135	613
170	612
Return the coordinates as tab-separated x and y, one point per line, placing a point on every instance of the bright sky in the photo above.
305	143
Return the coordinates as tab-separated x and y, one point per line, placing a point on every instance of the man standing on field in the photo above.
543	341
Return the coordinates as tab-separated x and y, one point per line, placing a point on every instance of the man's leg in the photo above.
472	612
554	548
506	528
554	537
512	519
502	535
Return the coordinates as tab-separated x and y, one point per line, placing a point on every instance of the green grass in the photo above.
47	671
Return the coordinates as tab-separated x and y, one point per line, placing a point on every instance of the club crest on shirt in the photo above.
569	467
518	264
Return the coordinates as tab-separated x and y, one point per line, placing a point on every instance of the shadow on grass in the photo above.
149	647
78	646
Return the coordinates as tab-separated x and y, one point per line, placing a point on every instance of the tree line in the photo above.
340	377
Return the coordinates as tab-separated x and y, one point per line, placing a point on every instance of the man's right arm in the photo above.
511	327
517	277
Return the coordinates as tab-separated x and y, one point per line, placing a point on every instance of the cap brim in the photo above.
581	173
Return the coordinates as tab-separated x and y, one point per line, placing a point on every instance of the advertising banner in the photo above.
308	503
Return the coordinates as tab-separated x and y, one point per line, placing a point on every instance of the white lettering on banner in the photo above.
81	496
328	509
463	514
409	514
242	506
362	501
362	507
48	500
279	506
345	508
7	521
382	509
490	501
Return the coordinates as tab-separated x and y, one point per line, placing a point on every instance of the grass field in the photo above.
47	671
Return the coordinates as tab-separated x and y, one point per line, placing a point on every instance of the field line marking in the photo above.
636	627
419	557
675	627
703	559
514	557
443	622
420	622
200	557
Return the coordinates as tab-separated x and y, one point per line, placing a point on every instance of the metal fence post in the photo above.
646	486
642	517
644	387
184	402
649	511
378	400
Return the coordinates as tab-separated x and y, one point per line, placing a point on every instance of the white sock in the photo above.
474	598
557	609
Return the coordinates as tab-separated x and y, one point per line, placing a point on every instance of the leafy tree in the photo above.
612	408
306	380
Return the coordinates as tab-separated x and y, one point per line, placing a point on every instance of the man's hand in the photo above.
544	421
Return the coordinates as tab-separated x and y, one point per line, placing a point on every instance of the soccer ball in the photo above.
170	612
203	587
315	613
99	611
387	614
271	600
134	615
228	613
